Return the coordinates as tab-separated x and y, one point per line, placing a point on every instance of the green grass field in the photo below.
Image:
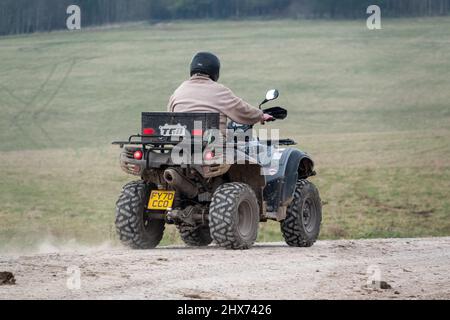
371	107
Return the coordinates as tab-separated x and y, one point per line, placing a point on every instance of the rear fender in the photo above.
250	174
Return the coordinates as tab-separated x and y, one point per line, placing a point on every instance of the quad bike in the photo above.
213	201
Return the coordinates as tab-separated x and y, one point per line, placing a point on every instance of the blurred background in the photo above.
370	106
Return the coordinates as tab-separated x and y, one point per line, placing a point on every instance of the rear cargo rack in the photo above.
170	122
141	142
157	144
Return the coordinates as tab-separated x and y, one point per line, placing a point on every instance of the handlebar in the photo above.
278	113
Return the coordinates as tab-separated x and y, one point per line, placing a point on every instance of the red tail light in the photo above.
148	131
138	155
197	132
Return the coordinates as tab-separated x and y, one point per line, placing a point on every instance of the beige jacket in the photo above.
201	94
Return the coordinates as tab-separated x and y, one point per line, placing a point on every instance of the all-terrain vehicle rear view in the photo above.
214	186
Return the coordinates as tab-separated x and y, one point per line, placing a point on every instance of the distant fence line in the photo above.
26	16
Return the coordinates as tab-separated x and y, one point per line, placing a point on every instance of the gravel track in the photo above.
344	269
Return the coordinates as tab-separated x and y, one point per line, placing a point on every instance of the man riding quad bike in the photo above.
210	189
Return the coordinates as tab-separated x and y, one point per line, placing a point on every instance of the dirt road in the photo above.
413	268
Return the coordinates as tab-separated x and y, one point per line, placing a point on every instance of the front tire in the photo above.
301	227
234	216
133	225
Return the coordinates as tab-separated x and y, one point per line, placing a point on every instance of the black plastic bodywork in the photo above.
280	187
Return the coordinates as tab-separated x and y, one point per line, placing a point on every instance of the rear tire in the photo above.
198	236
133	225
234	216
301	227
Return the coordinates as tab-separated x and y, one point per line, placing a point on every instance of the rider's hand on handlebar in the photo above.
267	117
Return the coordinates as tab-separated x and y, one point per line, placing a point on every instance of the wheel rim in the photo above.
244	219
309	215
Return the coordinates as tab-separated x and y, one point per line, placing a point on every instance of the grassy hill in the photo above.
371	107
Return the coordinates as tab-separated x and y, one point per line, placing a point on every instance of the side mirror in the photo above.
270	95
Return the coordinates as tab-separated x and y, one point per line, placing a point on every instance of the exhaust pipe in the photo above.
180	183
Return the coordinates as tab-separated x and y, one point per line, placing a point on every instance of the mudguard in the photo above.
293	164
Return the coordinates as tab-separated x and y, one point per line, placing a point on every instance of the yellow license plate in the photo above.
161	200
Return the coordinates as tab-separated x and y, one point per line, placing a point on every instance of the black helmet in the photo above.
206	63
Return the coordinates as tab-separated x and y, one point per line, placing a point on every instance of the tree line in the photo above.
25	16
